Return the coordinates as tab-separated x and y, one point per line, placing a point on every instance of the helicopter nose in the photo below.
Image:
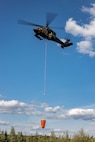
35	30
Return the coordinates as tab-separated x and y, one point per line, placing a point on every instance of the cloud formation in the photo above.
17	107
85	31
56	112
84	114
4	123
90	10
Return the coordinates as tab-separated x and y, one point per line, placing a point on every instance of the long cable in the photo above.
45	63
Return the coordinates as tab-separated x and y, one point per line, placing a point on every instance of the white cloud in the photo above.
34	112
43	105
85	31
90	10
56	112
17	107
4	123
73	28
85	47
79	113
52	109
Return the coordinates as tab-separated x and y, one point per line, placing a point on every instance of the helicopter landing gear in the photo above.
38	37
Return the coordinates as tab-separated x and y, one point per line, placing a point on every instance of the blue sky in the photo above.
69	104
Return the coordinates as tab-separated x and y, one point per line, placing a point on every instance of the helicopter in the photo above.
45	32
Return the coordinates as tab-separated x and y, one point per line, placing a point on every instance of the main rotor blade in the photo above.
28	23
60	28
50	17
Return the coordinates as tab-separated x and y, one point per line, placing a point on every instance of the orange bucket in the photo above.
43	122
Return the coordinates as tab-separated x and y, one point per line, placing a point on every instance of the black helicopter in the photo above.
42	32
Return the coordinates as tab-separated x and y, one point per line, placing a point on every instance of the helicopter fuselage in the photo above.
44	32
47	33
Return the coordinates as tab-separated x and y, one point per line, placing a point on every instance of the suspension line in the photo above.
45	63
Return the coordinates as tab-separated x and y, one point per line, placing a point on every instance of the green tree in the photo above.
20	137
52	136
3	137
6	136
81	137
13	137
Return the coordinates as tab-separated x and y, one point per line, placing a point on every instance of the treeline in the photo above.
19	137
